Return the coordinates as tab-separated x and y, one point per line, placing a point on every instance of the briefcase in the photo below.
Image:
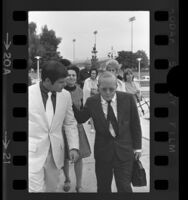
138	174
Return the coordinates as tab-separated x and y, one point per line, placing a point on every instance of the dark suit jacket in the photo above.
129	137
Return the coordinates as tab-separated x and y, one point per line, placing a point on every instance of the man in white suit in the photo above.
50	108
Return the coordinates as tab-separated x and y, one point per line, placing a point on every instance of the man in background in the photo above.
84	74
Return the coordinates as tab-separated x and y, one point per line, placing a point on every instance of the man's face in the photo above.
107	88
58	85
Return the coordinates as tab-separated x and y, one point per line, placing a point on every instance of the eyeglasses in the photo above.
106	89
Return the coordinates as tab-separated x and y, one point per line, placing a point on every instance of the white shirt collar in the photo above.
113	99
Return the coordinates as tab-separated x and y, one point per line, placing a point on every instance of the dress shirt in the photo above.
114	107
44	93
105	110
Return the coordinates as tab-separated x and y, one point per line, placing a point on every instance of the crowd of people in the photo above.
60	103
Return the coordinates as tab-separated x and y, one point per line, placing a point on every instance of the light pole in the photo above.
38	72
74	40
139	59
132	19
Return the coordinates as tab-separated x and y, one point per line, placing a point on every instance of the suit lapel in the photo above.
120	110
56	110
41	105
101	114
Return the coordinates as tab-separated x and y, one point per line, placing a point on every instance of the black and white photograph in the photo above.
89	101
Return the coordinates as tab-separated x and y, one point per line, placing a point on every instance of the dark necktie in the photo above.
111	118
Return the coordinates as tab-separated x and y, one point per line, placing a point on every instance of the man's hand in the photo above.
73	154
137	155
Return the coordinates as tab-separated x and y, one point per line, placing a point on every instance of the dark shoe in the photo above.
67	186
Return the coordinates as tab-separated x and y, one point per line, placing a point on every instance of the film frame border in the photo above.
164	114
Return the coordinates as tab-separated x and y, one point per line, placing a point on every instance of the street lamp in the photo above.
132	19
74	40
38	73
139	59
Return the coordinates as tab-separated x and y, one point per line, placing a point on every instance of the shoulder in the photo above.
33	88
136	84
93	99
125	95
64	94
79	90
120	82
87	80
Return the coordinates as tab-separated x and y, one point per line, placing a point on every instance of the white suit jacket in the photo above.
41	134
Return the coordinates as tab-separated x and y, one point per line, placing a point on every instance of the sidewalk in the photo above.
89	179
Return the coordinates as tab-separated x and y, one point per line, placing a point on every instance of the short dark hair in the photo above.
93	69
53	70
74	68
126	72
65	62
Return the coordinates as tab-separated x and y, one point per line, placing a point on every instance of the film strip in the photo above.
164	103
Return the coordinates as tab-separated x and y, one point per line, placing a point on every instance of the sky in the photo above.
113	31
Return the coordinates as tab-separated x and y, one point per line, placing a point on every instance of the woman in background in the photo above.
130	85
90	88
90	85
84	150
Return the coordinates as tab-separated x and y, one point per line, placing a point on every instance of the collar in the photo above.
45	90
70	88
103	101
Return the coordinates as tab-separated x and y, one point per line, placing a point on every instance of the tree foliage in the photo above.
44	45
129	59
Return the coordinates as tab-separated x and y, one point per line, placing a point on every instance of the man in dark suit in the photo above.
118	133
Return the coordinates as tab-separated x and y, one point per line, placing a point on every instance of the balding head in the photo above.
107	85
107	75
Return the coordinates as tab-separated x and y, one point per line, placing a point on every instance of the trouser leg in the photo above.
51	173
122	174
36	181
104	174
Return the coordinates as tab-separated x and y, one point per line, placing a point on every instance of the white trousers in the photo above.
47	179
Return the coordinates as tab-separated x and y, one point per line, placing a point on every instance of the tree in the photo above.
144	63
34	43
44	45
129	59
125	59
49	42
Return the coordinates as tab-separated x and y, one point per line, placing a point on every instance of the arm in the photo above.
86	90
82	115
136	130
70	126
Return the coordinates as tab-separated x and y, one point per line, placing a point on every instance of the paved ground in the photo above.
89	179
